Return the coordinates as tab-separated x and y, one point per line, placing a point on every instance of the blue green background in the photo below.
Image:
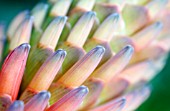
160	96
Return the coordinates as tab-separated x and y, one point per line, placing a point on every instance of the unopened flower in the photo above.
98	58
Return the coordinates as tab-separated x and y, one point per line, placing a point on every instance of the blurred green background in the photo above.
160	97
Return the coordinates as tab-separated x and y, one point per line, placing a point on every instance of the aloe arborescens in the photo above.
98	58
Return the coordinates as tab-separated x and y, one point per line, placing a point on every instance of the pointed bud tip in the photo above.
27	13
61	18
115	16
25	45
31	18
83	89
159	25
129	48
45	94
64	18
91	13
100	48
123	101
61	52
18	103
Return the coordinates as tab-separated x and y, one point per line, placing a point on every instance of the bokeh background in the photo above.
160	96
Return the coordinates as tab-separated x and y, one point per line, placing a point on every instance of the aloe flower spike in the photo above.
114	48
